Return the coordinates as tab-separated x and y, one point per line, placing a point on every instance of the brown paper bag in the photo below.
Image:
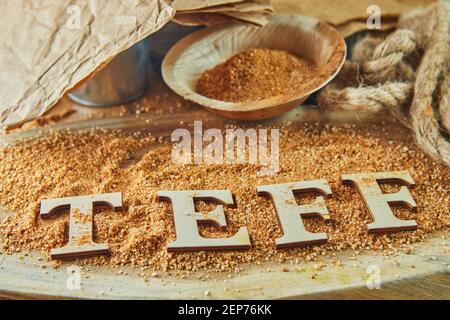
351	27
341	11
47	47
202	12
184	5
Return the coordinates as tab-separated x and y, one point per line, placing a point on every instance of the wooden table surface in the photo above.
160	100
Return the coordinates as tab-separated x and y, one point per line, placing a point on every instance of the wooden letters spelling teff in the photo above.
81	243
378	202
187	220
290	214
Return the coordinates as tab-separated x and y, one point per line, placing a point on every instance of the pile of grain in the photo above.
70	164
258	74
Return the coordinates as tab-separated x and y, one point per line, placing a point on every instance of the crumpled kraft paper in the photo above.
224	6
215	18
47	47
183	5
351	27
341	11
211	12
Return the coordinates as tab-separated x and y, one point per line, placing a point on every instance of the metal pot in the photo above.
123	80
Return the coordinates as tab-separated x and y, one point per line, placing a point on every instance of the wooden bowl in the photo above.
202	50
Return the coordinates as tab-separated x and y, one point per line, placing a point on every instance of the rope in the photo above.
392	74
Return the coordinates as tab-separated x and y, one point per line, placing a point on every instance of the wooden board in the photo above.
24	278
422	274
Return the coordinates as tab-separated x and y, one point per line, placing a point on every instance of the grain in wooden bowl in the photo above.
305	38
258	74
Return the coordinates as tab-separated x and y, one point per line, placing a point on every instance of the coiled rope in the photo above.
407	73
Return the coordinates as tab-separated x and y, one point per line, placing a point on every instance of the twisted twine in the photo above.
407	74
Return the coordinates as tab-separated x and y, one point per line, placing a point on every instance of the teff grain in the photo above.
71	164
258	74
